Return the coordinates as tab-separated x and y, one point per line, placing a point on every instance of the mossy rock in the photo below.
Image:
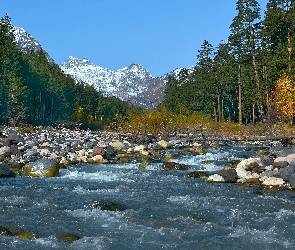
196	174
42	168
15	231
233	163
263	152
69	238
196	218
168	157
156	154
122	156
198	150
17	168
207	162
142	166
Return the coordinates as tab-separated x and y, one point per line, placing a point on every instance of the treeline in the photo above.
248	78
35	91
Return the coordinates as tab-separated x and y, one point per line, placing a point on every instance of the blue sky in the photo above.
162	35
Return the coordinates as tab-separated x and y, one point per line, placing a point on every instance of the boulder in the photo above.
215	178
286	172
229	175
15	137
118	145
272	181
42	168
164	144
292	180
139	148
242	173
196	174
98	151
98	159
174	166
108	206
251	164
6	172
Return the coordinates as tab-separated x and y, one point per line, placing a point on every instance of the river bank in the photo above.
53	149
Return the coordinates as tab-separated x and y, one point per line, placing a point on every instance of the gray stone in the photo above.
292	180
287	171
6	172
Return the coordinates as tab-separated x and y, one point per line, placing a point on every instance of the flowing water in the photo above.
165	209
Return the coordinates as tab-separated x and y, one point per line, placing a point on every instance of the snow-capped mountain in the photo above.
27	43
133	83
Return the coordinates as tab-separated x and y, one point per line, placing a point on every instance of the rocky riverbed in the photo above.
42	152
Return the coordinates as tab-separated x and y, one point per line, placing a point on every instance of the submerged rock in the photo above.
6	172
108	206
174	166
16	231
196	174
69	238
42	168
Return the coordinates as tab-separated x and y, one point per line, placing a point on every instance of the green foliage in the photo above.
35	91
254	57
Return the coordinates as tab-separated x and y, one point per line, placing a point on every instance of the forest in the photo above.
35	92
247	79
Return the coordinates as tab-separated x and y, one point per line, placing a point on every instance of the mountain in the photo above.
133	83
27	43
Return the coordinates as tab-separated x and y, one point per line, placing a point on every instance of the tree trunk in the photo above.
240	96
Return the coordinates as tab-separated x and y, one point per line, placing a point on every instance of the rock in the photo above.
110	151
145	153
108	206
13	136
16	232
120	156
42	168
98	159
196	150
118	145
139	148
242	173
69	238
168	157
215	178
196	174
280	162
174	166
290	158
6	172
253	181
98	151
272	181
164	144
229	175
251	164
286	172
292	180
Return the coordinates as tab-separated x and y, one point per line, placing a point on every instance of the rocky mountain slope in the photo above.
27	43
133	83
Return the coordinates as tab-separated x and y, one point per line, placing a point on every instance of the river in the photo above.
164	209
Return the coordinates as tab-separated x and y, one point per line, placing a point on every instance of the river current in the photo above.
165	209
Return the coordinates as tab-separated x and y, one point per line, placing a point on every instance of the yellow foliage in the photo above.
284	95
